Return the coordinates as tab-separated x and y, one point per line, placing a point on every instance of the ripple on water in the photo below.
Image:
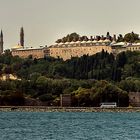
69	126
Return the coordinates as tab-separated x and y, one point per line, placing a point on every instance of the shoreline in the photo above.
65	109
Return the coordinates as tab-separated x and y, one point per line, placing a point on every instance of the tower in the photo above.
22	36
1	42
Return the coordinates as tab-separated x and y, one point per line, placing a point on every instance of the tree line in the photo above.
89	79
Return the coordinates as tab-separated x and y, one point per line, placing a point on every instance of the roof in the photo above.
119	44
83	42
100	41
94	41
17	47
25	49
136	44
72	42
61	43
107	41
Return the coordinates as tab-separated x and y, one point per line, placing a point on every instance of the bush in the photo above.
13	99
46	97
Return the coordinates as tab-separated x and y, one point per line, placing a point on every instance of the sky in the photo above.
45	21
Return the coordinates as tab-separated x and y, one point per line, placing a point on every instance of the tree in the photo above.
69	38
107	92
121	59
120	38
131	37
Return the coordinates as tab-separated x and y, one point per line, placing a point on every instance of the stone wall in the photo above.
68	52
24	53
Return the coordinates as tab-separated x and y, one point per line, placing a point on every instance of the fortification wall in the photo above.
68	52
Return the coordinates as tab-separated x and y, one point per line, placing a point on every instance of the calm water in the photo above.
69	126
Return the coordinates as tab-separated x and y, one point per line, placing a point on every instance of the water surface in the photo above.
69	126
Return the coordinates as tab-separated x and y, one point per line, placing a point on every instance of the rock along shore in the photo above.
66	109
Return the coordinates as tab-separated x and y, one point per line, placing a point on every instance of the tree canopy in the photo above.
131	37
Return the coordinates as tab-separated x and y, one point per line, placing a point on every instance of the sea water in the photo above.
69	126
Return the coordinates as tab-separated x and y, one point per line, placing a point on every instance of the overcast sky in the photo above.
45	21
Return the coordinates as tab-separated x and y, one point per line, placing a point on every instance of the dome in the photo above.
113	42
60	43
78	42
17	47
83	42
66	43
89	41
106	41
72	42
94	41
100	41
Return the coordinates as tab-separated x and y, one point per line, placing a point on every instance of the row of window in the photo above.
135	48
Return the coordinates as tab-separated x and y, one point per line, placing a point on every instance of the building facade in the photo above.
75	51
26	52
75	48
134	47
68	50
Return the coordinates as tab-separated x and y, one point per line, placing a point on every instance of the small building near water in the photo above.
65	100
134	99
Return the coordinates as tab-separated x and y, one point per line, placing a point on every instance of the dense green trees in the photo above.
101	91
45	79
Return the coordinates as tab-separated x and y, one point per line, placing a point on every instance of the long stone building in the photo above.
67	50
79	48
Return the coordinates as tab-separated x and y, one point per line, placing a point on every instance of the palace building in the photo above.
67	50
75	48
79	48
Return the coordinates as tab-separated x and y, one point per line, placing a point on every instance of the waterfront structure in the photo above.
1	42
134	99
65	100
